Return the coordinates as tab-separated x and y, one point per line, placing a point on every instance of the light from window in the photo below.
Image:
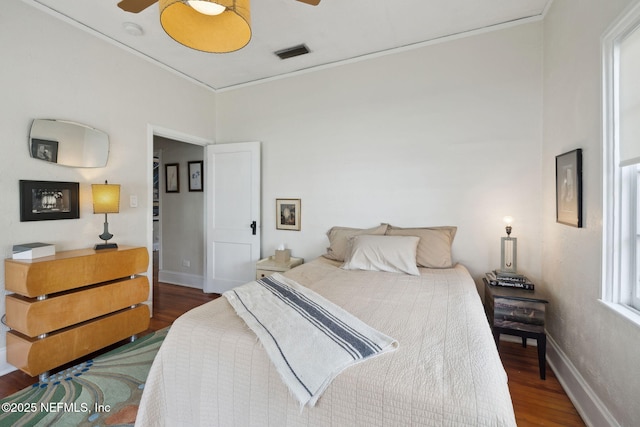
636	291
621	231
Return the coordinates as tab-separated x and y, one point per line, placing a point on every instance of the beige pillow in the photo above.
339	236
434	249
394	254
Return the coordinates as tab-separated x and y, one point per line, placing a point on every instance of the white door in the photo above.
233	214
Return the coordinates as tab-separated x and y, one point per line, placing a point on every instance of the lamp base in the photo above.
105	246
508	254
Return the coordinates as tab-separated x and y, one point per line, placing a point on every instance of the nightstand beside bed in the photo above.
517	312
268	266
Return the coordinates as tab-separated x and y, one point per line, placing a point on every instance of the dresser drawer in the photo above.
264	273
268	266
519	314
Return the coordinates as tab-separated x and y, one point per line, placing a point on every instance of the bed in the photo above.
212	370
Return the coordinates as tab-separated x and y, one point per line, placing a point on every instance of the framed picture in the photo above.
48	200
44	149
172	178
569	188
288	214
195	175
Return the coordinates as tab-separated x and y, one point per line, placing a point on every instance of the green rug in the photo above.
105	391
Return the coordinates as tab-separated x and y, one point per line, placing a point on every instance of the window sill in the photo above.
628	313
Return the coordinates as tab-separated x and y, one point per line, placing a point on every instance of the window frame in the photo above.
620	275
634	187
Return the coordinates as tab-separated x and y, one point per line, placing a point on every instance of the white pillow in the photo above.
395	254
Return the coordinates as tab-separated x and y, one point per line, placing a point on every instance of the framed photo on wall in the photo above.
172	178
195	175
569	188
48	200
288	214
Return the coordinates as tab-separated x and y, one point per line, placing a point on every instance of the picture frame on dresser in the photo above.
49	200
288	214
569	188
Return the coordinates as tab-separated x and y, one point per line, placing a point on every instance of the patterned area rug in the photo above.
105	391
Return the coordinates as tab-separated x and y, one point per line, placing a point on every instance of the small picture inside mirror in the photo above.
44	149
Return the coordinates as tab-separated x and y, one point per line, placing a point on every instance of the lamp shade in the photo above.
222	33
106	198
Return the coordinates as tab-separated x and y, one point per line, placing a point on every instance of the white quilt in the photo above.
211	369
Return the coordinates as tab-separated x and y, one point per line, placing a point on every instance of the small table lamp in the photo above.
106	200
508	249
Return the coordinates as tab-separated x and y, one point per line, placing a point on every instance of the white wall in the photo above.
51	69
447	134
602	347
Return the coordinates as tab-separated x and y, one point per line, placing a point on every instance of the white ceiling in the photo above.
334	31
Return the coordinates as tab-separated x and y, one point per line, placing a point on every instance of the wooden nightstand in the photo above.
518	312
267	266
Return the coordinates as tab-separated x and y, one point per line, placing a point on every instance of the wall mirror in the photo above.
68	143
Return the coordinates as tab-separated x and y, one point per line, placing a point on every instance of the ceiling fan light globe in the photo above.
207	7
223	33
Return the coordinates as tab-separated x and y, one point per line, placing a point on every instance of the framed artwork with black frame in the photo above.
569	188
288	214
49	200
195	175
44	149
172	178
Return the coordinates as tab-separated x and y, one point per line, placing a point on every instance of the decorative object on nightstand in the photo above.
106	200
518	312
283	255
508	249
267	266
509	280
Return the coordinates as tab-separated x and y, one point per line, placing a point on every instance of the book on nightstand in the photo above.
33	250
509	280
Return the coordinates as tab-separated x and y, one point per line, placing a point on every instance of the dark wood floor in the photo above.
536	402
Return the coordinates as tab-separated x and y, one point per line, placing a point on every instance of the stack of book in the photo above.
33	250
509	280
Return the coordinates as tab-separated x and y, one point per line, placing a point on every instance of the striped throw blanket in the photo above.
309	339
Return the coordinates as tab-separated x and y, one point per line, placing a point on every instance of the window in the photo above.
621	232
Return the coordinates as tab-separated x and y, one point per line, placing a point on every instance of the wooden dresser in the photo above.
73	303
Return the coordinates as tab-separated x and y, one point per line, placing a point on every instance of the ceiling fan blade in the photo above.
135	6
311	2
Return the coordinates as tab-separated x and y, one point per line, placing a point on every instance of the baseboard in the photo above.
182	279
592	410
5	367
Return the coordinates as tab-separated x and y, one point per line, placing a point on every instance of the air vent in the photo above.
292	51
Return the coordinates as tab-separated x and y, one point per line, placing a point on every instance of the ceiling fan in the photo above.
214	26
137	6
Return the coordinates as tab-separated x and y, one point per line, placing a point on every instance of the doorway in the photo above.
178	213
